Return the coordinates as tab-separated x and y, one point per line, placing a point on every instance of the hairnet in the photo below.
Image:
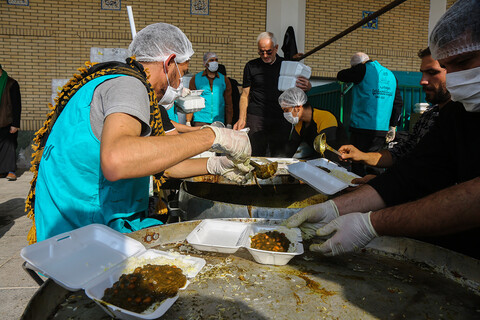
207	56
157	41
358	58
457	31
292	97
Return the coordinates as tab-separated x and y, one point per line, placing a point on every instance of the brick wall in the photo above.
50	39
401	32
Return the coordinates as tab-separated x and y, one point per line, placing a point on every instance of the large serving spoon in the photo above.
320	145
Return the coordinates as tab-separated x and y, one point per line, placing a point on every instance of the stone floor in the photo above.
16	286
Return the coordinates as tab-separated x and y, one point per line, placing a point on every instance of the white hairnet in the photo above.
292	97
158	41
457	31
207	56
358	58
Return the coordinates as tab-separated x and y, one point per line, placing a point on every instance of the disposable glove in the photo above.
353	231
227	168
313	217
235	144
185	92
390	134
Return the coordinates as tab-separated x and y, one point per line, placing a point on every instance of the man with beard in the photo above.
436	93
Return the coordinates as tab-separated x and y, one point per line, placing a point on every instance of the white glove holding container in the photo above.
390	134
235	144
315	216
353	231
226	168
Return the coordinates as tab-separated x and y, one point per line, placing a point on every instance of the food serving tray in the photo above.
228	236
94	257
323	175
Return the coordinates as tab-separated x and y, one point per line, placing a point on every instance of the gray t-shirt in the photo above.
123	94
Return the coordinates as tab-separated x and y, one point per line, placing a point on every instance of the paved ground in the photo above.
16	286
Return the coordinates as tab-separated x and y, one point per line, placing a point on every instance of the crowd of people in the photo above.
113	118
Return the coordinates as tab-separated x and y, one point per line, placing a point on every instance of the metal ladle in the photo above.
320	145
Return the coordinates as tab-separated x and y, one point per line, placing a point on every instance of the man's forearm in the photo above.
242	112
447	211
364	199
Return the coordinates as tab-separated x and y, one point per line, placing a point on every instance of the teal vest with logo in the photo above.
373	98
71	190
214	101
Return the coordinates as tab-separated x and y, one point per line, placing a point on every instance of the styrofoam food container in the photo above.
218	236
286	82
295	69
94	257
320	180
272	257
190	103
196	92
96	289
228	236
335	168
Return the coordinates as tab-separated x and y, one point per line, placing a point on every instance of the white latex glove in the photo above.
390	134
353	231
235	144
188	123
313	217
226	168
185	92
229	126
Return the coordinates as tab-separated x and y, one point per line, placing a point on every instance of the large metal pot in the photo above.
204	200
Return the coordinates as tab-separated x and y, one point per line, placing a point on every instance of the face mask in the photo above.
213	66
171	94
168	106
290	118
464	87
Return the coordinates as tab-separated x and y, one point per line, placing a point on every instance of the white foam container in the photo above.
286	82
319	179
191	103
228	236
93	258
295	69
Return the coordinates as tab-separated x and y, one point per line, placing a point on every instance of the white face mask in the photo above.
290	118
464	87
213	66
171	94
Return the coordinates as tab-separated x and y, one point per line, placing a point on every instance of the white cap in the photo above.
207	56
358	58
457	31
158	41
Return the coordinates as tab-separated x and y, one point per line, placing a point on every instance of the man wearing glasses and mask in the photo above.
259	108
109	138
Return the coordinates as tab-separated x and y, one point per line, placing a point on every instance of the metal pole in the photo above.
388	7
132	22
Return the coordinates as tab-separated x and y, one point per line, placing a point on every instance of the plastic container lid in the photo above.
319	179
228	236
286	82
190	103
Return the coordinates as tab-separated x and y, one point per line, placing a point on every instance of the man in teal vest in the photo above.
217	92
376	105
105	138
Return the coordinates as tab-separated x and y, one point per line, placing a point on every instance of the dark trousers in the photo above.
366	142
8	146
268	136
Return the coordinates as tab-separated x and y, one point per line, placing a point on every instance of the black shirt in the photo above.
262	78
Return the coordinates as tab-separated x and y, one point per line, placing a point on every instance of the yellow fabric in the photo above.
323	119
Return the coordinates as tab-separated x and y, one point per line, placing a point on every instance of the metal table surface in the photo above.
395	278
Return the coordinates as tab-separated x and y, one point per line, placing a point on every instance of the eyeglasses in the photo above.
268	52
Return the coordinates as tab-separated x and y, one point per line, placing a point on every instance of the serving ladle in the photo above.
320	145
